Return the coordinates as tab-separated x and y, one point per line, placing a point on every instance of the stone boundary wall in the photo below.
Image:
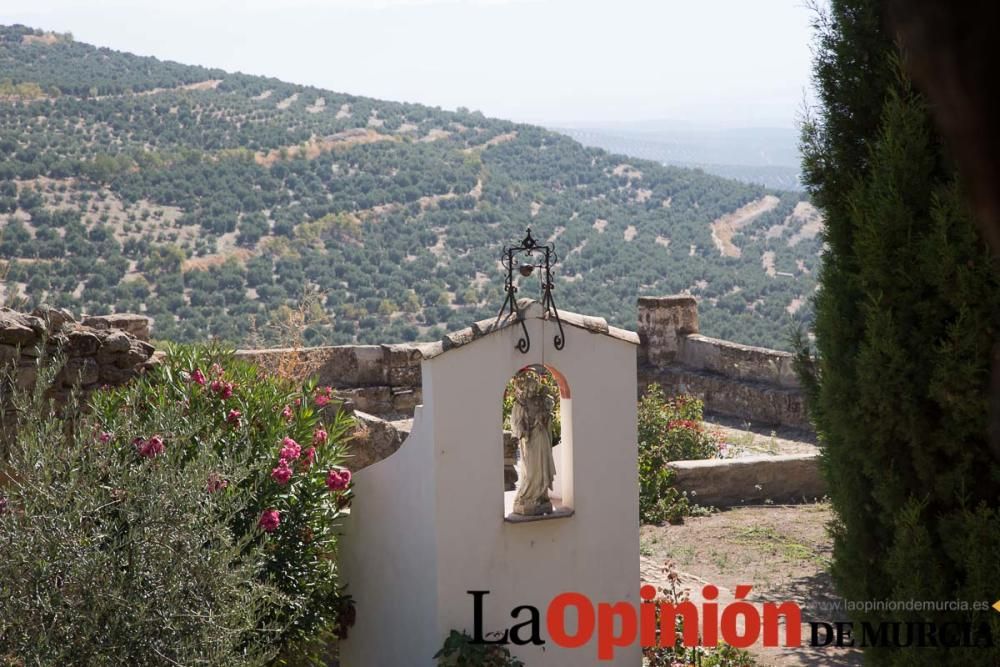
751	383
99	351
383	380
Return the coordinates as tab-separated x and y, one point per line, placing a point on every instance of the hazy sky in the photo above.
728	63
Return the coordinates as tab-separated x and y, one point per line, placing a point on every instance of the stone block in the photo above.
751	480
20	329
79	371
81	342
137	325
663	321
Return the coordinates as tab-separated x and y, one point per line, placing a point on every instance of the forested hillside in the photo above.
214	202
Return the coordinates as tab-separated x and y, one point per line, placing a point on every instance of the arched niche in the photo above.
560	493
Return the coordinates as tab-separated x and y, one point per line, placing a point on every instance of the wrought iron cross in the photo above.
525	258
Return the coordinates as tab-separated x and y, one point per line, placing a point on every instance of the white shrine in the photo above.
432	521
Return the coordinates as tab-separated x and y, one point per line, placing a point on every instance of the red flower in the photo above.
234	417
104	437
270	519
338	479
149	448
290	450
198	377
282	474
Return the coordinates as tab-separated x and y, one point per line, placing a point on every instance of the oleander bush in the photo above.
669	430
190	517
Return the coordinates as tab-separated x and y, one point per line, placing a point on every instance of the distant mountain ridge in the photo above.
228	205
764	155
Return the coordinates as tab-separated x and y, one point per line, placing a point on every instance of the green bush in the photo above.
112	559
227	437
296	488
669	430
459	651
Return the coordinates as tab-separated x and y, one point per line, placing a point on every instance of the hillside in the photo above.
214	201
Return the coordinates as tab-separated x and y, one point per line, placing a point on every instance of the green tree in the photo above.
908	304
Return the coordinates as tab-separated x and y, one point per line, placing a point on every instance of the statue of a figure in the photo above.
531	424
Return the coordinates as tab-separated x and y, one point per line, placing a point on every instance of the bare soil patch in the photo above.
316	146
782	551
725	227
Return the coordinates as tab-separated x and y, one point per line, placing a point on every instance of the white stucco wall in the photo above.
427	523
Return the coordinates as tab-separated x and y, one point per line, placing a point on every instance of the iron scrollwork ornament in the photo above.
525	258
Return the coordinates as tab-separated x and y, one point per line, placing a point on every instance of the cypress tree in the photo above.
906	313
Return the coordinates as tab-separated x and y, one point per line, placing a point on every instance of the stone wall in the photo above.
98	351
751	383
383	380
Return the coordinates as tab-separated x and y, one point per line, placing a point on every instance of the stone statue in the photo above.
531	424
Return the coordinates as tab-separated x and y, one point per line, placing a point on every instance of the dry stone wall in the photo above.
99	351
382	383
751	383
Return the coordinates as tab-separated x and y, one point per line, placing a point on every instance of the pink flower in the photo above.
319	436
215	386
338	479
198	377
104	437
234	417
287	413
270	519
282	473
290	450
216	483
227	390
298	402
216	370
310	458
149	448
322	400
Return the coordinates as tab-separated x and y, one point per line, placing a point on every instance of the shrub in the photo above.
907	315
219	480
669	430
109	558
295	488
460	651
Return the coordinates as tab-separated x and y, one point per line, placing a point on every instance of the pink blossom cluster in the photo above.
223	390
149	448
338	479
269	521
282	474
198	377
234	416
323	396
290	450
104	438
